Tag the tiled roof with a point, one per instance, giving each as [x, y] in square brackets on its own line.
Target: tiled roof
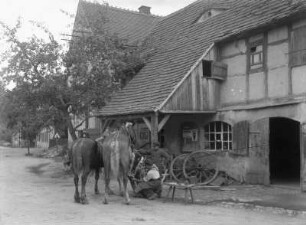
[130, 25]
[179, 42]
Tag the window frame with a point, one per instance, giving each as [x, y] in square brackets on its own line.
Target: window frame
[257, 66]
[213, 136]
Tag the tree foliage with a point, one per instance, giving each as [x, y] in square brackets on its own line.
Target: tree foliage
[52, 84]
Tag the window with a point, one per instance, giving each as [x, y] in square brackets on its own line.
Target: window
[190, 137]
[206, 64]
[218, 136]
[210, 13]
[256, 56]
[144, 134]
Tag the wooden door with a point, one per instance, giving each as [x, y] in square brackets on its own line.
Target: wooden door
[258, 166]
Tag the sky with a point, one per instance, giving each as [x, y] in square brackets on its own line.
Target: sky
[48, 12]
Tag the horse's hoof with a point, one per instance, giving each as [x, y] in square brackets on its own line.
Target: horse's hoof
[77, 199]
[105, 202]
[128, 202]
[97, 192]
[84, 201]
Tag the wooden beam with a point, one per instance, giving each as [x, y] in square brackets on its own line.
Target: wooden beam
[163, 122]
[126, 116]
[188, 112]
[104, 126]
[154, 129]
[147, 122]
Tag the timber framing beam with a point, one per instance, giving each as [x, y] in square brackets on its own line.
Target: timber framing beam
[163, 122]
[147, 122]
[159, 126]
[154, 129]
[105, 125]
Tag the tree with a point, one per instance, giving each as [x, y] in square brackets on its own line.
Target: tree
[52, 84]
[5, 134]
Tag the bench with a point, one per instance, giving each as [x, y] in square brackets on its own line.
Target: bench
[183, 186]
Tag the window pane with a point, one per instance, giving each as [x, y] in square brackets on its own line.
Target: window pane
[225, 146]
[211, 137]
[218, 126]
[256, 58]
[211, 127]
[225, 137]
[212, 145]
[219, 145]
[218, 137]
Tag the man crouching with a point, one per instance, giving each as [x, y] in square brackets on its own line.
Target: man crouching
[150, 187]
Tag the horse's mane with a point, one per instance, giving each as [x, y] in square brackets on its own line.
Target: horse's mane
[126, 131]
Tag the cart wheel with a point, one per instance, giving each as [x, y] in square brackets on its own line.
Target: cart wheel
[176, 168]
[201, 166]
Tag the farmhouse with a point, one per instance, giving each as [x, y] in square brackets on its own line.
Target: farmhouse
[227, 76]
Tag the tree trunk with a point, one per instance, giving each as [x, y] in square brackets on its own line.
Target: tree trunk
[28, 145]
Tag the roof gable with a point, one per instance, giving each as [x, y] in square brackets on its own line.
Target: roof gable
[130, 25]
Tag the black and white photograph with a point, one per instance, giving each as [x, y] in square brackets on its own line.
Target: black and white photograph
[152, 112]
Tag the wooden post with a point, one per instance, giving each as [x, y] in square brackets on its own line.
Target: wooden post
[154, 128]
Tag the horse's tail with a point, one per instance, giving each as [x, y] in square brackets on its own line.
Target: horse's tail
[98, 153]
[115, 159]
[76, 159]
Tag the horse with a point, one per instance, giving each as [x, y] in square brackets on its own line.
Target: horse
[85, 157]
[118, 158]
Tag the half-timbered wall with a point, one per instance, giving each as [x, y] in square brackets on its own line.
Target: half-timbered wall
[283, 73]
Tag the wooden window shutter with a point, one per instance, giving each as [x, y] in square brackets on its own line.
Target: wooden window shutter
[219, 70]
[213, 69]
[298, 47]
[240, 138]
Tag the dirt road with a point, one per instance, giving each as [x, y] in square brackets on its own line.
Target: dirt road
[38, 191]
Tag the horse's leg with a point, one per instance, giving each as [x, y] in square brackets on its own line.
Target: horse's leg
[76, 193]
[97, 179]
[120, 187]
[126, 194]
[107, 189]
[83, 191]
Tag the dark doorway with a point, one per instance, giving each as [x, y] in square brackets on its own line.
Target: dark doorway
[284, 150]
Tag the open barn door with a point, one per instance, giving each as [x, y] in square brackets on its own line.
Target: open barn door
[303, 157]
